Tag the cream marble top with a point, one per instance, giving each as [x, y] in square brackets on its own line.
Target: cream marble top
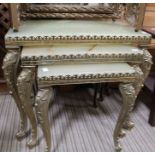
[80, 49]
[83, 53]
[42, 31]
[78, 69]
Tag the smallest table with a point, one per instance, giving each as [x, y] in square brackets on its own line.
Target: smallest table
[130, 78]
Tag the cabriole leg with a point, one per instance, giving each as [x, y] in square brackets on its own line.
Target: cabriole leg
[138, 84]
[10, 65]
[43, 99]
[25, 89]
[128, 94]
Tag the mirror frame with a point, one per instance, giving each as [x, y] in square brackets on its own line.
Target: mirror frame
[74, 11]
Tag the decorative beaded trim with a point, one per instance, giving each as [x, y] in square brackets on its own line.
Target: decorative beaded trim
[86, 76]
[27, 60]
[74, 37]
[81, 56]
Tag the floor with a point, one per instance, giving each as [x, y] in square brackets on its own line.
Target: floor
[77, 126]
[3, 87]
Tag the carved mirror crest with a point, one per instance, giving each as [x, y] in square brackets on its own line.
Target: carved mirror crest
[70, 11]
[77, 11]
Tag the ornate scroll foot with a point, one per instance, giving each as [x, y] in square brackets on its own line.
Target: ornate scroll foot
[128, 125]
[25, 89]
[10, 65]
[23, 124]
[122, 134]
[128, 94]
[20, 134]
[118, 147]
[43, 99]
[31, 143]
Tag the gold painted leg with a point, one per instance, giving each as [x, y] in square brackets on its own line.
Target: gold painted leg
[138, 84]
[25, 89]
[128, 94]
[43, 99]
[10, 65]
